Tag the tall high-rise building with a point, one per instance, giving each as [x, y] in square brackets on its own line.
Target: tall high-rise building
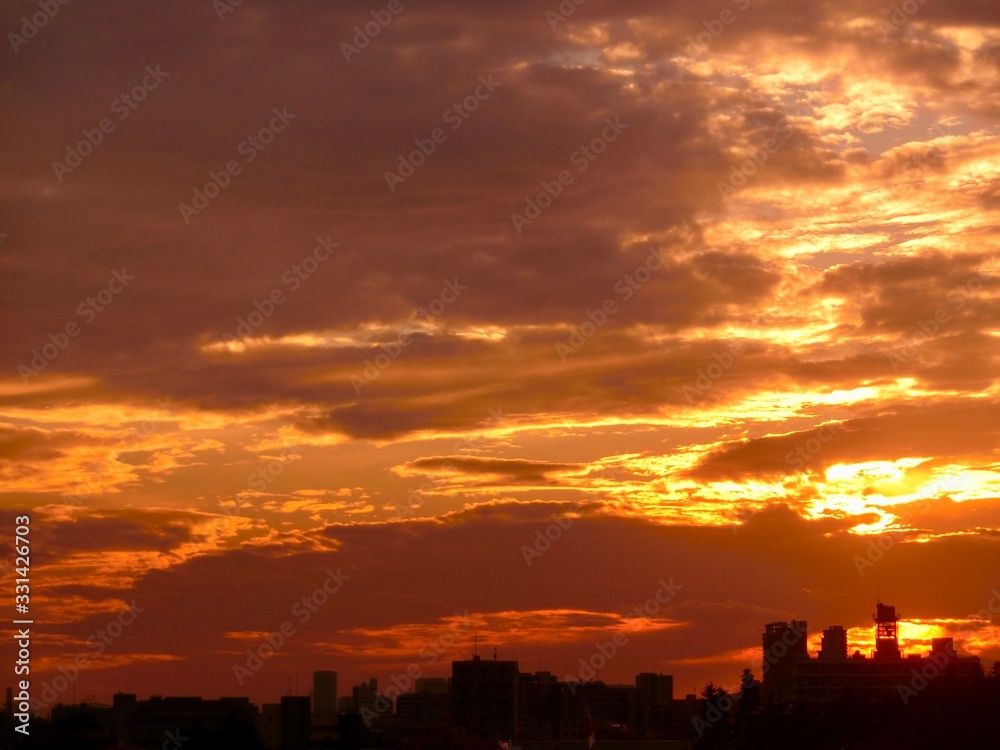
[834, 644]
[784, 645]
[428, 708]
[655, 689]
[294, 722]
[364, 695]
[484, 696]
[324, 697]
[656, 700]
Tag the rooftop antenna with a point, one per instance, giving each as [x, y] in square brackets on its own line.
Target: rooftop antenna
[494, 653]
[475, 644]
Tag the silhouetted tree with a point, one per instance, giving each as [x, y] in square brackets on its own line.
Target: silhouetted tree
[711, 691]
[711, 725]
[749, 691]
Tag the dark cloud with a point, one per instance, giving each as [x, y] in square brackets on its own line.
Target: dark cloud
[776, 566]
[945, 429]
[39, 445]
[114, 531]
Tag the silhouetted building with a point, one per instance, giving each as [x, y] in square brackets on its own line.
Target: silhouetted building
[427, 711]
[7, 723]
[534, 697]
[655, 689]
[613, 708]
[681, 717]
[433, 685]
[834, 644]
[784, 646]
[147, 723]
[484, 696]
[89, 719]
[324, 698]
[791, 676]
[555, 711]
[562, 715]
[294, 722]
[656, 698]
[81, 727]
[363, 696]
[269, 725]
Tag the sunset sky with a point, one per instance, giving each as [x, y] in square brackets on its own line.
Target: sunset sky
[705, 290]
